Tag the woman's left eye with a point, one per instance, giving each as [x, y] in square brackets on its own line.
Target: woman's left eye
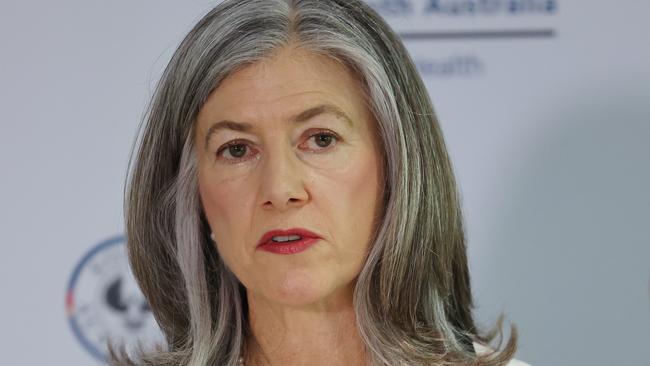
[323, 140]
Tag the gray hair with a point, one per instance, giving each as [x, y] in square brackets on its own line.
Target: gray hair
[412, 298]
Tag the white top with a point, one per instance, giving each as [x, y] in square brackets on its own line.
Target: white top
[481, 349]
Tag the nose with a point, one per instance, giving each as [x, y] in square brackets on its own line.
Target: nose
[282, 181]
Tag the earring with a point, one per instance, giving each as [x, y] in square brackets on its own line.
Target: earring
[212, 237]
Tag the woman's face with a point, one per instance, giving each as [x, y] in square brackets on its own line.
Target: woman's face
[296, 150]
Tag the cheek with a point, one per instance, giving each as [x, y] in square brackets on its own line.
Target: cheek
[214, 202]
[354, 194]
[224, 205]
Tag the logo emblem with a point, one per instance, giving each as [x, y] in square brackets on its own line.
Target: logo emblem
[104, 302]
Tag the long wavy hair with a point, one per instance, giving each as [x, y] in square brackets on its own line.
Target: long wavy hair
[412, 298]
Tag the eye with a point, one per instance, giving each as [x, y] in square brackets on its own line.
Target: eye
[323, 139]
[236, 149]
[239, 149]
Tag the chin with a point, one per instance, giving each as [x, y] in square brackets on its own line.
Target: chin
[301, 289]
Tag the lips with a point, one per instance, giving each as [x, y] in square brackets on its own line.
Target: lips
[303, 233]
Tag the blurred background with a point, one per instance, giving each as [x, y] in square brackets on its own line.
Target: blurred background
[545, 106]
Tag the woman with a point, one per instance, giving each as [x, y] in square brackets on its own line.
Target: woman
[292, 201]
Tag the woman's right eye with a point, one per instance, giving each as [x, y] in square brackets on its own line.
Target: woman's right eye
[236, 149]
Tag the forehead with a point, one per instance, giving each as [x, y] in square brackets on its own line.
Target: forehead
[283, 85]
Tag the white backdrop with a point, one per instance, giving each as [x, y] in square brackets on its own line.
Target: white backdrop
[545, 106]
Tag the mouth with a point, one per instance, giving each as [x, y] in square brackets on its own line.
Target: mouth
[289, 241]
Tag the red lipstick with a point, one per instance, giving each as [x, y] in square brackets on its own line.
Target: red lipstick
[307, 239]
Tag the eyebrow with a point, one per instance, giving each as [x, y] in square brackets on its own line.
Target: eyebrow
[298, 118]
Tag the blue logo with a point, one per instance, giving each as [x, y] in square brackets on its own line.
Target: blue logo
[103, 302]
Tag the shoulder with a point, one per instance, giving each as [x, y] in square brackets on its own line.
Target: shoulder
[480, 349]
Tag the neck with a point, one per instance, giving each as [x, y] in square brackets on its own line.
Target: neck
[323, 333]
